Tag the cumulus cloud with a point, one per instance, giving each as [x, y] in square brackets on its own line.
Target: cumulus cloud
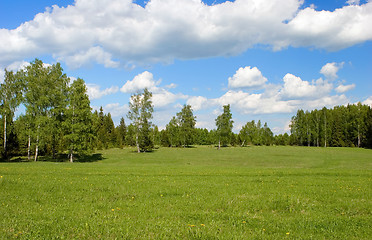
[295, 88]
[140, 82]
[344, 88]
[197, 102]
[116, 109]
[368, 101]
[120, 32]
[94, 91]
[160, 96]
[247, 78]
[353, 2]
[330, 70]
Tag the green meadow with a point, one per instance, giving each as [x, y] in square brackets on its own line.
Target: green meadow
[191, 193]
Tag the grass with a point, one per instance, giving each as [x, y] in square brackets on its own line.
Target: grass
[193, 193]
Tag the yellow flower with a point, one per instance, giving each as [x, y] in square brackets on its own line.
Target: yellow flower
[112, 209]
[203, 225]
[287, 233]
[244, 222]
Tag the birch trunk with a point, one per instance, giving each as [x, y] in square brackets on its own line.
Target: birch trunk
[219, 143]
[37, 148]
[29, 147]
[137, 144]
[71, 156]
[37, 144]
[5, 133]
[358, 137]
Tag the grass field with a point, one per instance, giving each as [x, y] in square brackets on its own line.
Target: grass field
[193, 193]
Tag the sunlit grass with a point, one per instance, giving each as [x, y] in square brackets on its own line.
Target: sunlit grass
[193, 193]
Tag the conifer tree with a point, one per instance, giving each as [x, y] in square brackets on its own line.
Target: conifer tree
[187, 121]
[224, 125]
[79, 120]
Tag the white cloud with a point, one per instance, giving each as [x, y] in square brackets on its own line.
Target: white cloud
[164, 30]
[368, 101]
[344, 88]
[160, 96]
[353, 2]
[342, 28]
[94, 91]
[2, 75]
[254, 103]
[326, 101]
[330, 70]
[295, 88]
[95, 53]
[116, 110]
[247, 78]
[197, 103]
[139, 82]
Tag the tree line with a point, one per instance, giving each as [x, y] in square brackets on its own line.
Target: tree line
[58, 121]
[342, 126]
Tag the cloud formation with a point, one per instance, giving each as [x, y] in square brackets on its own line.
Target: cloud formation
[94, 91]
[293, 93]
[330, 70]
[120, 33]
[161, 97]
[247, 78]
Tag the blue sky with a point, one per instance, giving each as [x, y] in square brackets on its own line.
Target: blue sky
[266, 59]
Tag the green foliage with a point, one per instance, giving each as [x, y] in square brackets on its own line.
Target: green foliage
[224, 125]
[140, 113]
[187, 193]
[78, 124]
[254, 134]
[342, 126]
[186, 122]
[10, 99]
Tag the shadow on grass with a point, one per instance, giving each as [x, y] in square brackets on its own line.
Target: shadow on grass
[59, 158]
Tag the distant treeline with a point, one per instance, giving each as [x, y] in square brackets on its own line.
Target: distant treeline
[342, 126]
[58, 121]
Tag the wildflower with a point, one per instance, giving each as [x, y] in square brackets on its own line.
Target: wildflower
[264, 229]
[287, 233]
[203, 225]
[244, 222]
[112, 209]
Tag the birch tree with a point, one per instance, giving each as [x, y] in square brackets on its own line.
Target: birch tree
[11, 97]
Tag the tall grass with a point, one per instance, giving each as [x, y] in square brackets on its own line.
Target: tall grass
[192, 193]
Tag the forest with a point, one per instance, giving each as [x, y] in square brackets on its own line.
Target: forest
[58, 122]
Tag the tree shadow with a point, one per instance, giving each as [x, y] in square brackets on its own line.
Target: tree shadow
[58, 158]
[89, 158]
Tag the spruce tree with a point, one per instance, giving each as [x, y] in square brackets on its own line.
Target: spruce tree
[79, 120]
[224, 125]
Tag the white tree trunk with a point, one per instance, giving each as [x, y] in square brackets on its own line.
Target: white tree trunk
[5, 133]
[137, 144]
[37, 148]
[29, 147]
[219, 143]
[71, 156]
[358, 137]
[37, 144]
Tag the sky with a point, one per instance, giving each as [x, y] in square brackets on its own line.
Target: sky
[267, 59]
